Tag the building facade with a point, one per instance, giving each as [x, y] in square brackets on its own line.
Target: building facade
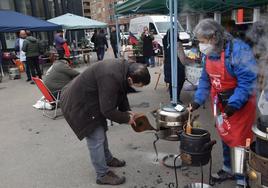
[86, 8]
[104, 10]
[44, 9]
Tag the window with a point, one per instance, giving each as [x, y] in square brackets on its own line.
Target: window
[152, 28]
[24, 6]
[10, 40]
[40, 11]
[164, 26]
[51, 8]
[244, 15]
[7, 4]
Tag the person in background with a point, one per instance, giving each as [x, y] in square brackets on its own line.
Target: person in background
[59, 42]
[1, 61]
[231, 28]
[32, 51]
[167, 68]
[93, 40]
[229, 77]
[113, 40]
[148, 52]
[58, 75]
[22, 56]
[101, 43]
[97, 94]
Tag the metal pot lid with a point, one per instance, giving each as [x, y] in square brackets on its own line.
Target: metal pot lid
[259, 133]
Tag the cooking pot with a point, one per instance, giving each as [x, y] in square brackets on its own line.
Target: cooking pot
[257, 169]
[261, 132]
[170, 122]
[196, 147]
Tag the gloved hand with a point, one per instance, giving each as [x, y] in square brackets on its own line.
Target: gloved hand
[194, 106]
[229, 110]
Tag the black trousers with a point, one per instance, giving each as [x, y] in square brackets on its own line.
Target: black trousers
[61, 52]
[115, 50]
[34, 66]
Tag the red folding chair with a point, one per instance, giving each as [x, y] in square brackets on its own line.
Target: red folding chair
[49, 98]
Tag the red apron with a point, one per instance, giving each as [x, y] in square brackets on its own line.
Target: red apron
[237, 128]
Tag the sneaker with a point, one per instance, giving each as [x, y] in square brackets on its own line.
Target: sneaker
[32, 82]
[110, 178]
[221, 176]
[28, 80]
[116, 163]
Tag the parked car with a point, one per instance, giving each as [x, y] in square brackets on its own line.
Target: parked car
[158, 25]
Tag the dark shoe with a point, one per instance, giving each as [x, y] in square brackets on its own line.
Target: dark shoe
[111, 179]
[221, 176]
[28, 80]
[32, 82]
[116, 163]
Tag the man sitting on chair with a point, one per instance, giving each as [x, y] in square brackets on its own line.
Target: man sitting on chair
[58, 75]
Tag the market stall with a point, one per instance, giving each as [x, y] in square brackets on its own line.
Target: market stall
[73, 22]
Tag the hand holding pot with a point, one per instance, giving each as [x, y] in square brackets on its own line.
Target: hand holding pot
[132, 118]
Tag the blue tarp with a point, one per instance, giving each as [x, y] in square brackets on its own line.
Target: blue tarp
[13, 21]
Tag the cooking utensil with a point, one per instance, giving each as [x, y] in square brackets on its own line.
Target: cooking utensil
[189, 126]
[142, 123]
[239, 155]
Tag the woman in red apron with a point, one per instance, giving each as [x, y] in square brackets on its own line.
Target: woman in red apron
[229, 78]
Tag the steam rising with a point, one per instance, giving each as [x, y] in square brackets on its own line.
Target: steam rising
[257, 36]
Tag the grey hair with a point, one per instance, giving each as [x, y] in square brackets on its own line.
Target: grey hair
[208, 29]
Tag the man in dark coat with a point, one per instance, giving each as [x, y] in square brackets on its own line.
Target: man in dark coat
[97, 94]
[113, 40]
[101, 43]
[31, 47]
[93, 40]
[167, 68]
[148, 53]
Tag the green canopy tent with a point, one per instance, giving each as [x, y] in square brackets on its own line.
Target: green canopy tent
[175, 6]
[160, 6]
[74, 22]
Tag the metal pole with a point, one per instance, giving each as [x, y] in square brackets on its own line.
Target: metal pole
[76, 40]
[175, 53]
[171, 47]
[117, 34]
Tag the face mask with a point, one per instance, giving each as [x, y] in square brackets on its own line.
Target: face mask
[205, 48]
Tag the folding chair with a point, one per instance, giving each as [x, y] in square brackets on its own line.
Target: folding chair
[49, 98]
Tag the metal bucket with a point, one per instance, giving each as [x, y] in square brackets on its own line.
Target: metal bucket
[14, 73]
[239, 156]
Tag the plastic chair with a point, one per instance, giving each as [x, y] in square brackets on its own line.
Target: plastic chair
[49, 98]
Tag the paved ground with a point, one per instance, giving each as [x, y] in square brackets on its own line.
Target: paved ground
[36, 152]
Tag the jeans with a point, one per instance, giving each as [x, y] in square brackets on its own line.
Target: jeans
[27, 70]
[99, 150]
[34, 66]
[100, 52]
[227, 164]
[149, 60]
[115, 50]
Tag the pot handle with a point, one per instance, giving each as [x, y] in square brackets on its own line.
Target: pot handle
[209, 145]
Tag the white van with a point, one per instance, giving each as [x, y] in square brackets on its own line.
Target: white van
[157, 24]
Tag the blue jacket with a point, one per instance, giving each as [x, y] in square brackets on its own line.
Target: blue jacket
[241, 65]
